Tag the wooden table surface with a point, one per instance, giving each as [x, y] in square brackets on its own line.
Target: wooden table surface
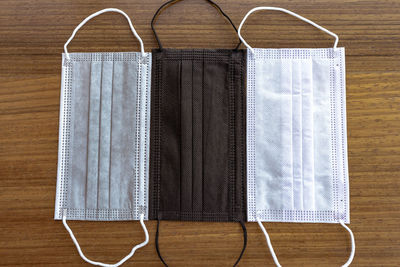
[32, 35]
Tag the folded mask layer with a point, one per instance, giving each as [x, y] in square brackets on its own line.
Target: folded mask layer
[104, 136]
[198, 135]
[296, 135]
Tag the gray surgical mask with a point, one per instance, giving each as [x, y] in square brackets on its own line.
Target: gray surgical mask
[104, 137]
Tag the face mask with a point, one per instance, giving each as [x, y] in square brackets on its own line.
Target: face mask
[198, 134]
[104, 137]
[296, 135]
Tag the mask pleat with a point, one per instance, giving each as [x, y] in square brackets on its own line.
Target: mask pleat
[93, 136]
[308, 133]
[197, 121]
[186, 135]
[274, 135]
[79, 154]
[170, 154]
[123, 136]
[121, 147]
[297, 136]
[103, 197]
[322, 135]
[286, 118]
[216, 137]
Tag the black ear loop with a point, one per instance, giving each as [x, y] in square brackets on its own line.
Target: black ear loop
[157, 247]
[244, 242]
[237, 261]
[172, 2]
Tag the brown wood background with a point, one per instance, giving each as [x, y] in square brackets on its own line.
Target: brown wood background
[32, 35]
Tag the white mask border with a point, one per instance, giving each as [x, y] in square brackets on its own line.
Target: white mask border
[258, 219]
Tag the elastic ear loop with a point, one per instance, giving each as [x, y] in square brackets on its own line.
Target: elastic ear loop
[237, 261]
[96, 14]
[172, 2]
[157, 246]
[271, 249]
[290, 13]
[64, 220]
[353, 244]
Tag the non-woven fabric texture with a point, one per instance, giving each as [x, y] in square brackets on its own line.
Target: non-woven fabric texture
[197, 164]
[103, 150]
[104, 136]
[296, 135]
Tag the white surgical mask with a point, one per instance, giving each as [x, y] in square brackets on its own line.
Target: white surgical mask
[296, 135]
[104, 137]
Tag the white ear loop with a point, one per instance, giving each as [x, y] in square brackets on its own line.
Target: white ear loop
[353, 244]
[64, 220]
[98, 13]
[290, 13]
[271, 249]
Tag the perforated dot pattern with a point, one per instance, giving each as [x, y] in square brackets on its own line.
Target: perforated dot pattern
[338, 160]
[141, 136]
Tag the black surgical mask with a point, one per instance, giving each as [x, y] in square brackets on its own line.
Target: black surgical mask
[197, 142]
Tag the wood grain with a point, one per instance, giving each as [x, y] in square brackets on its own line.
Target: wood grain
[32, 34]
